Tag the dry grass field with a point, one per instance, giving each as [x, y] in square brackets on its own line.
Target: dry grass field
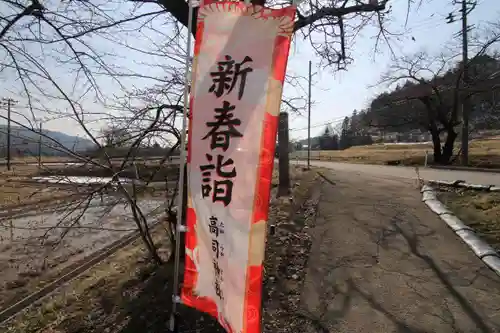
[15, 188]
[34, 159]
[479, 210]
[484, 153]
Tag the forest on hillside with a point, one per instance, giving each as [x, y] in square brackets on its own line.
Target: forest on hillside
[422, 105]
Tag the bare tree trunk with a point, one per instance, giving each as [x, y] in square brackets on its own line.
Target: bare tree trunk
[447, 154]
[144, 232]
[436, 145]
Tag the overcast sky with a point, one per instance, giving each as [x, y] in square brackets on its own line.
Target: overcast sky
[335, 95]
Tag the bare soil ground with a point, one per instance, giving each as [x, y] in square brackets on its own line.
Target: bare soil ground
[127, 294]
[34, 217]
[483, 154]
[36, 247]
[479, 210]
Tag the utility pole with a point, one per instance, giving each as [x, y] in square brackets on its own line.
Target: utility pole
[466, 105]
[8, 102]
[309, 118]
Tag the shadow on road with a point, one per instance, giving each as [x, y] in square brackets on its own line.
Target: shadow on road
[382, 263]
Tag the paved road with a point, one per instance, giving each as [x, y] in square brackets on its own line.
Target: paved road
[382, 262]
[472, 177]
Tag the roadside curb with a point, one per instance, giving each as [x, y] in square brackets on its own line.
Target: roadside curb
[481, 249]
[463, 184]
[459, 168]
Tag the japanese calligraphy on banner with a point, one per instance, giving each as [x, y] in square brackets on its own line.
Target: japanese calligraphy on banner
[239, 66]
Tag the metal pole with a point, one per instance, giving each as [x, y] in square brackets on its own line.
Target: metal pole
[8, 133]
[309, 119]
[466, 101]
[180, 213]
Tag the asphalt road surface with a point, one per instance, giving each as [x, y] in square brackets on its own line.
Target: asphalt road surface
[382, 262]
[472, 177]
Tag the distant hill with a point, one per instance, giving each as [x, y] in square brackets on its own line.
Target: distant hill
[25, 142]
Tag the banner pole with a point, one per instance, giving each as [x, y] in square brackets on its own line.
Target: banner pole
[180, 213]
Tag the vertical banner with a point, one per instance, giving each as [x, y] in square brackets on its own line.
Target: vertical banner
[240, 60]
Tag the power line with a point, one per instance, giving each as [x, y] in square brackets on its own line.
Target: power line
[329, 122]
[430, 23]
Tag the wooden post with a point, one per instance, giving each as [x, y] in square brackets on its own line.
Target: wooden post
[11, 230]
[9, 101]
[40, 148]
[284, 158]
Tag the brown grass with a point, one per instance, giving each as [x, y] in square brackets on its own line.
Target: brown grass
[479, 210]
[14, 193]
[483, 153]
[33, 159]
[149, 170]
[16, 187]
[15, 190]
[61, 159]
